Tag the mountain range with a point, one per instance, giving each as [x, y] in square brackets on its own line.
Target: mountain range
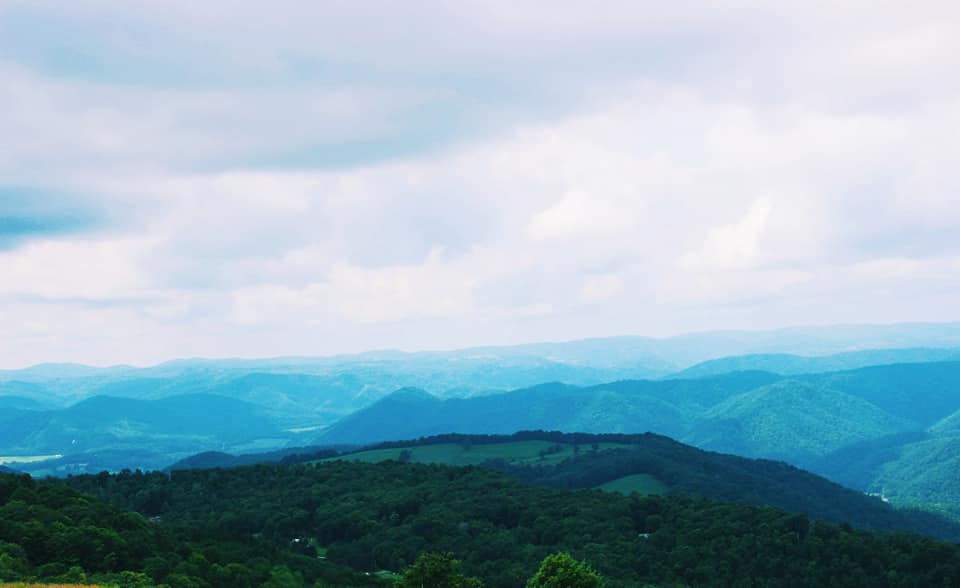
[872, 407]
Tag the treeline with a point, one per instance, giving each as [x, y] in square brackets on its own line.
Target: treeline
[586, 439]
[373, 517]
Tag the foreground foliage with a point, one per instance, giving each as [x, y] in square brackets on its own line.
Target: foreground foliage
[562, 571]
[374, 517]
[437, 570]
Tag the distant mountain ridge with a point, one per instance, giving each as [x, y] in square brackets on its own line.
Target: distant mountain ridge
[763, 394]
[621, 407]
[787, 364]
[680, 408]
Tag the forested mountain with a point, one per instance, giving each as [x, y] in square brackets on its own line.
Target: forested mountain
[375, 517]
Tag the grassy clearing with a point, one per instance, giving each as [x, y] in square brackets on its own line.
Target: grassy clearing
[460, 454]
[642, 483]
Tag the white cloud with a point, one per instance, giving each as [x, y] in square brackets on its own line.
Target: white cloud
[601, 288]
[578, 216]
[734, 246]
[633, 172]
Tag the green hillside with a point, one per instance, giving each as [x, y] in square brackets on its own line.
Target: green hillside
[792, 420]
[925, 474]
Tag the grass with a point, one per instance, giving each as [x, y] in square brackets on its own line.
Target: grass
[458, 454]
[642, 483]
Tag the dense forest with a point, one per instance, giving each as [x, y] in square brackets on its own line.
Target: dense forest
[376, 517]
[51, 533]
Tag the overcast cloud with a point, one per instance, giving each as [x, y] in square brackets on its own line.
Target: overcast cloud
[249, 179]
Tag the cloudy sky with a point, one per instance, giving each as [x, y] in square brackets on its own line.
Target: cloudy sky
[183, 178]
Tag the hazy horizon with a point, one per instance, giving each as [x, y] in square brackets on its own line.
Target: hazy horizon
[494, 345]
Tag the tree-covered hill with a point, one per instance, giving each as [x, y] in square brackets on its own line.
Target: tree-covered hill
[382, 516]
[580, 461]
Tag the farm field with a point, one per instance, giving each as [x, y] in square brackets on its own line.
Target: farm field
[462, 454]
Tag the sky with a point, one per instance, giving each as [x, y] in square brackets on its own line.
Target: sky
[250, 179]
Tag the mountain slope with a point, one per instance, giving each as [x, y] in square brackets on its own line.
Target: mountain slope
[922, 392]
[791, 420]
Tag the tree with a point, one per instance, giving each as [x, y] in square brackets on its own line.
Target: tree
[436, 570]
[560, 570]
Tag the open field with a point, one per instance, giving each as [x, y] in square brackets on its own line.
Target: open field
[642, 483]
[461, 454]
